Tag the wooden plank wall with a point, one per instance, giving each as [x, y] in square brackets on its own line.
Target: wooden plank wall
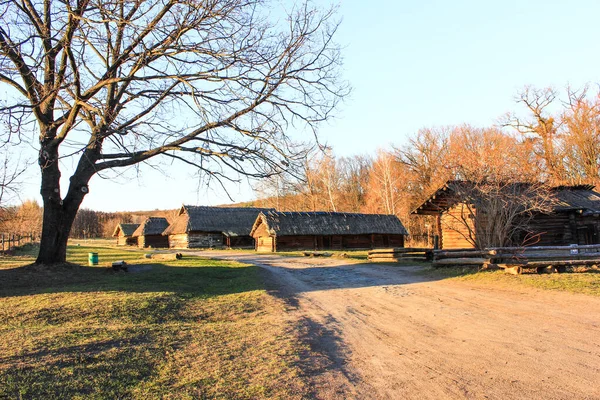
[454, 230]
[265, 243]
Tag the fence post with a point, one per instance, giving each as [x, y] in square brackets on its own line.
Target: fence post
[3, 243]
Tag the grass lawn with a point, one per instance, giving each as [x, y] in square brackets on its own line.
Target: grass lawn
[576, 282]
[191, 328]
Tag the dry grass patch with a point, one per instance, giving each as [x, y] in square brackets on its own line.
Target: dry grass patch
[191, 328]
[575, 282]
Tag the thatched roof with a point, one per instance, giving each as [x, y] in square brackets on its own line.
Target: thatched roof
[328, 223]
[581, 198]
[230, 221]
[126, 229]
[151, 226]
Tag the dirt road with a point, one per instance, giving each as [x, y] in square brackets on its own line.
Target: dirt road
[391, 333]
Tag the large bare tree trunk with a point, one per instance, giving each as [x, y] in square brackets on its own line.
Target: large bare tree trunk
[59, 213]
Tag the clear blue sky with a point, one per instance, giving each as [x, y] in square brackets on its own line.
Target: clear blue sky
[411, 65]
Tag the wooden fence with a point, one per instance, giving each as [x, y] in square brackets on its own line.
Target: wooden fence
[11, 240]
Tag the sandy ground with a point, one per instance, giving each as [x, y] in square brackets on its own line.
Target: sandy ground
[390, 333]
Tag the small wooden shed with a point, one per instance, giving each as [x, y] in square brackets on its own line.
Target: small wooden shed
[149, 233]
[280, 231]
[204, 227]
[124, 234]
[574, 219]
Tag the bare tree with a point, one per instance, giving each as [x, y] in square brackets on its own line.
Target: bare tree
[541, 128]
[12, 171]
[215, 84]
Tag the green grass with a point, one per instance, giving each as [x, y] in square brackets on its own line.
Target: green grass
[576, 282]
[192, 328]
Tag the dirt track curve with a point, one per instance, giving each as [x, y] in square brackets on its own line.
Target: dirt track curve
[391, 333]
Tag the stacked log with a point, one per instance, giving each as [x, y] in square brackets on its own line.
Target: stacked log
[399, 254]
[468, 257]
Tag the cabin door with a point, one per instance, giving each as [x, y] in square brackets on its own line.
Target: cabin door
[590, 234]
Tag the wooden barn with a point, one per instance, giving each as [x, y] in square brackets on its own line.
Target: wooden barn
[124, 234]
[280, 231]
[573, 218]
[150, 233]
[204, 227]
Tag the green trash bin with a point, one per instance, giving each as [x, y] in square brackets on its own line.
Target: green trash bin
[92, 259]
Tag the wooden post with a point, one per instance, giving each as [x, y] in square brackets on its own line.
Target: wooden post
[438, 228]
[3, 243]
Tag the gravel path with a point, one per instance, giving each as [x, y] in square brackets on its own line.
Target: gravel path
[390, 333]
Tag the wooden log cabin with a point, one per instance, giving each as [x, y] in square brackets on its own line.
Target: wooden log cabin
[281, 231]
[124, 234]
[150, 233]
[205, 227]
[574, 218]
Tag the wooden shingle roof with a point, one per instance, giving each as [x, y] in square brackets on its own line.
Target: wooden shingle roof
[151, 226]
[329, 223]
[230, 221]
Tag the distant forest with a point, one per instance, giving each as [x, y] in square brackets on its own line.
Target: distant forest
[554, 138]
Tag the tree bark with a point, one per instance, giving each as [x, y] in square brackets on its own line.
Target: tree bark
[59, 214]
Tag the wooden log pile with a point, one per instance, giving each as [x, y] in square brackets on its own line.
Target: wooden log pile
[517, 260]
[399, 254]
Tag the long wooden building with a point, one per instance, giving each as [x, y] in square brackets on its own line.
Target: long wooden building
[280, 231]
[205, 227]
[150, 233]
[124, 234]
[574, 218]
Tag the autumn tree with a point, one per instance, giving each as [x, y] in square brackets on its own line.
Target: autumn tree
[108, 78]
[22, 219]
[385, 180]
[354, 180]
[425, 157]
[581, 137]
[489, 154]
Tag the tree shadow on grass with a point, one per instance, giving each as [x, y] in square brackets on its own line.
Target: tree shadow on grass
[154, 277]
[110, 368]
[114, 341]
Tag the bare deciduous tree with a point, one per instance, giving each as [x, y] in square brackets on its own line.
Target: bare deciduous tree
[541, 128]
[215, 84]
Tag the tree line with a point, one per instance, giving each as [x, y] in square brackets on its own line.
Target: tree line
[550, 139]
[26, 219]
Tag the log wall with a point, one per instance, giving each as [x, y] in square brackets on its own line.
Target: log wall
[334, 242]
[195, 240]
